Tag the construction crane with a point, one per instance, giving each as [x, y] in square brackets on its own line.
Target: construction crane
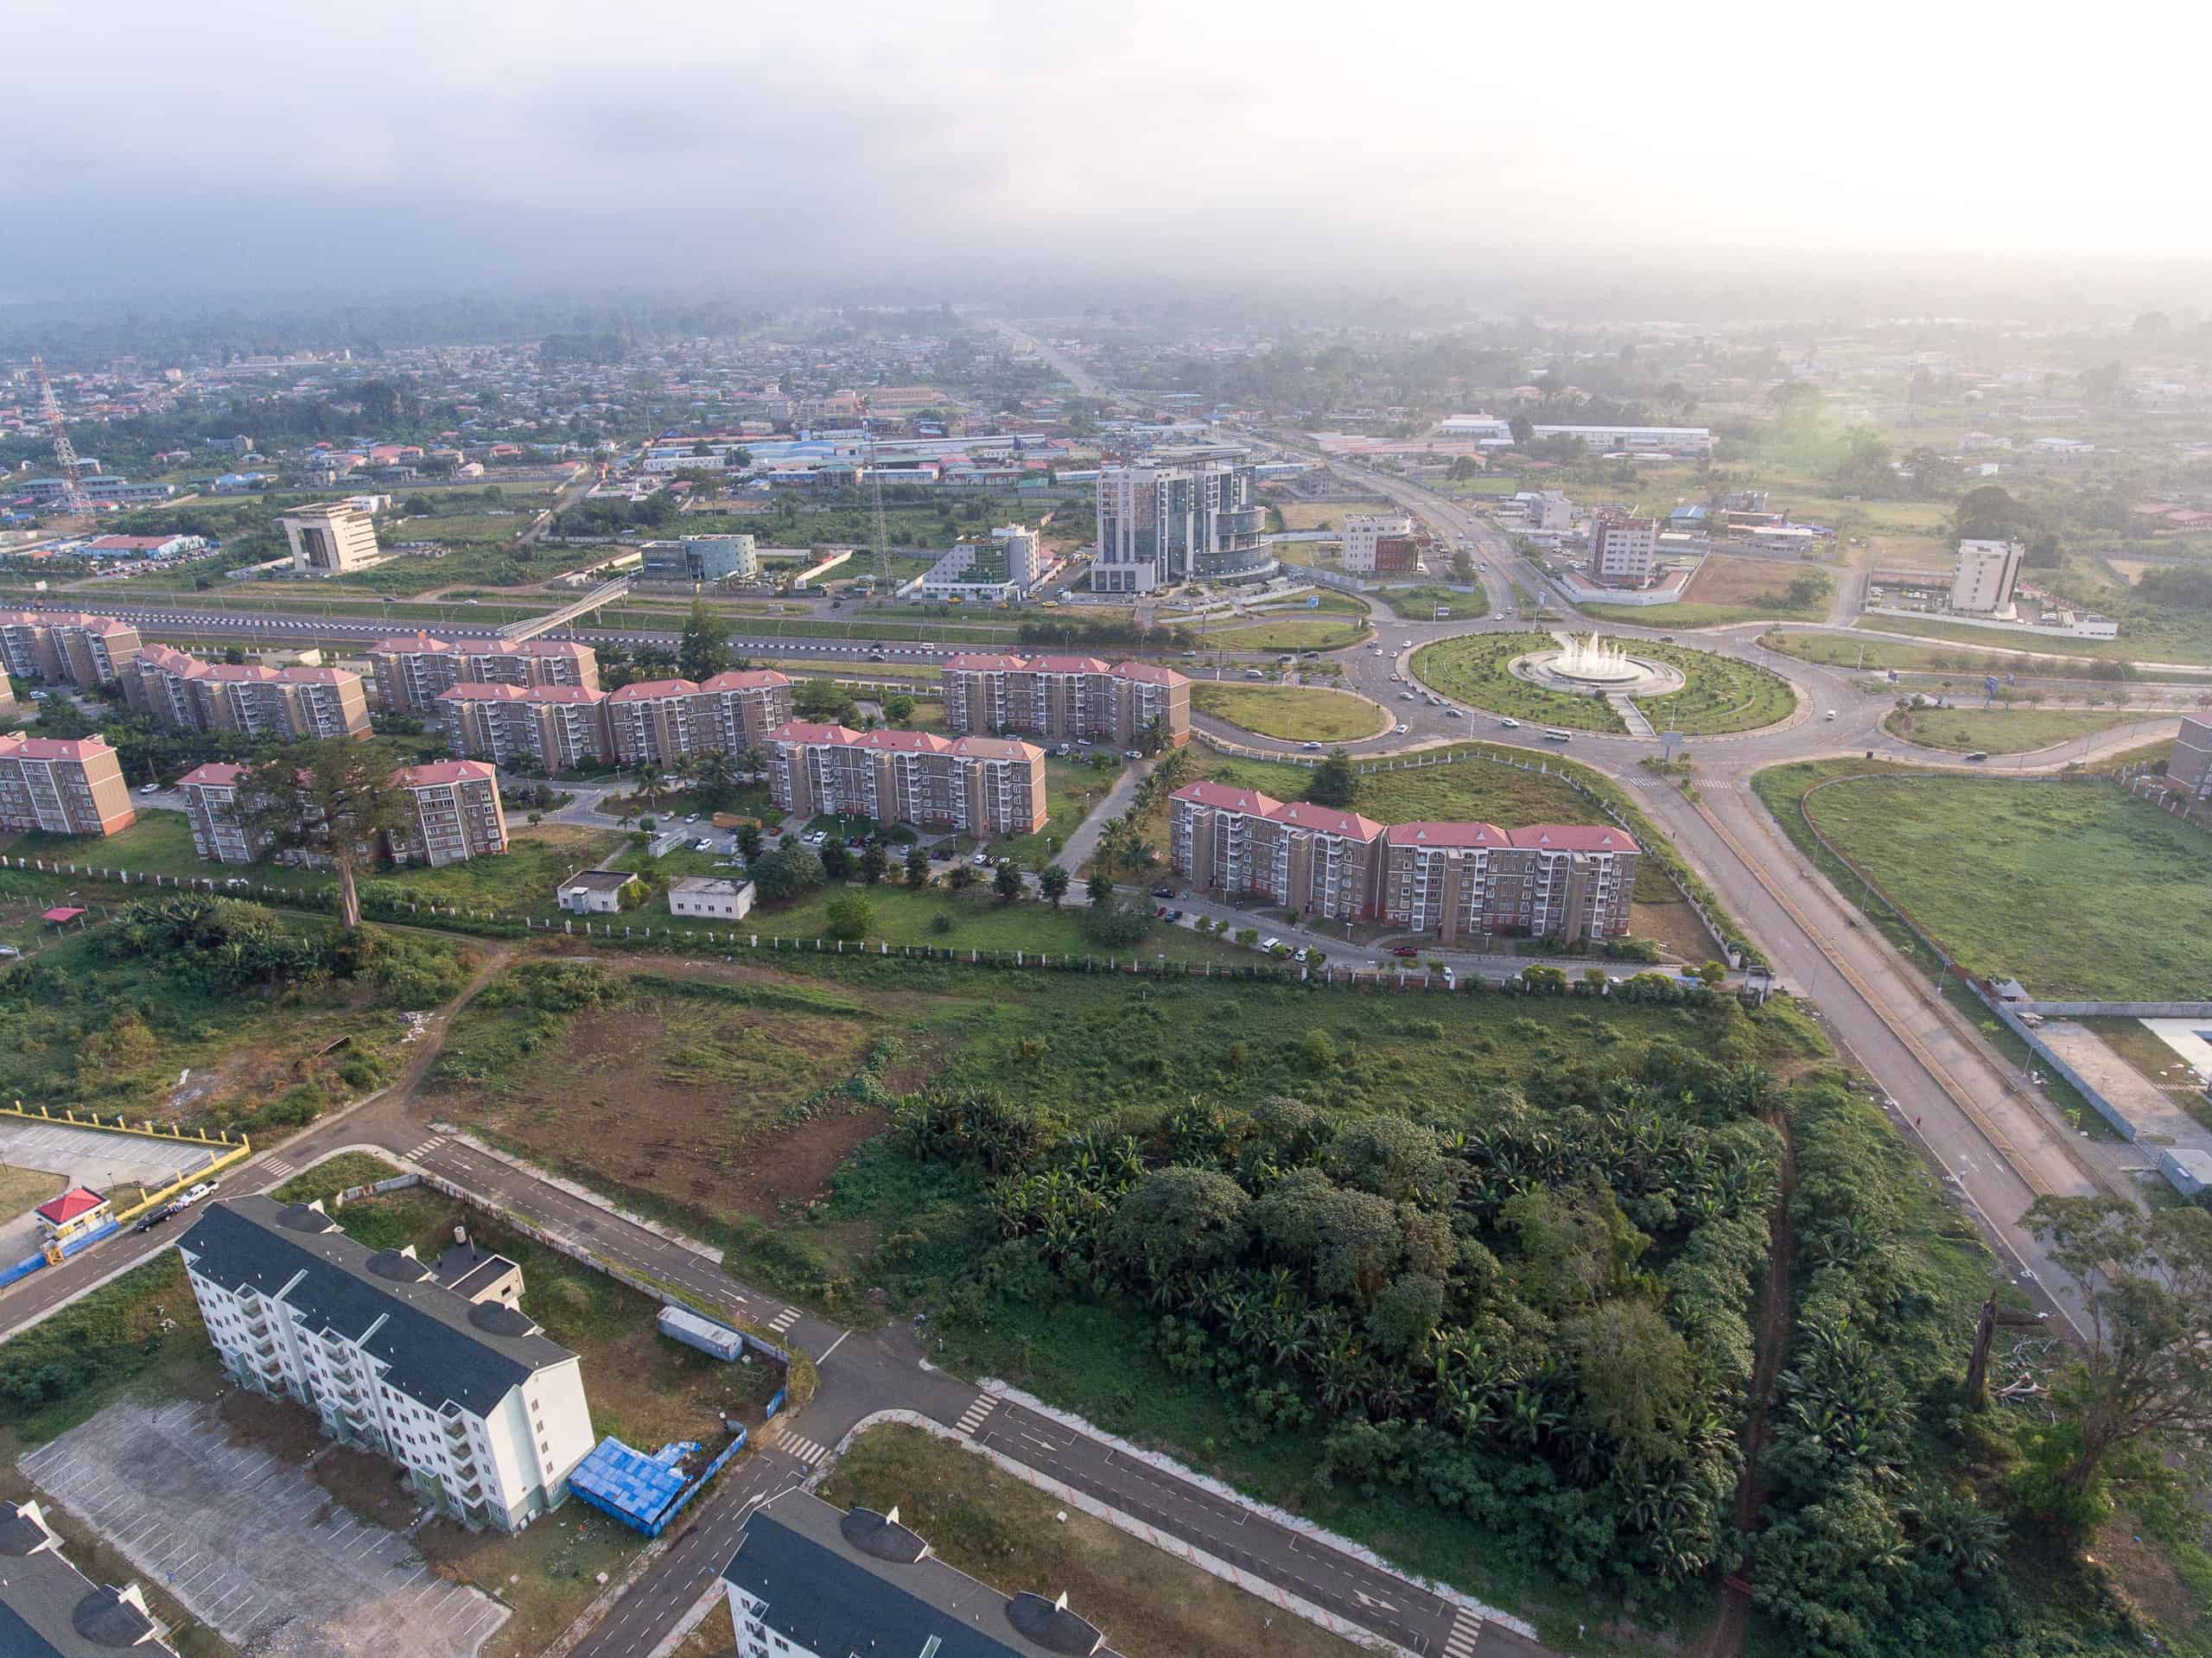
[75, 501]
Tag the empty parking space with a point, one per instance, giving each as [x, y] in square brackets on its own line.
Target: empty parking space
[85, 1156]
[251, 1544]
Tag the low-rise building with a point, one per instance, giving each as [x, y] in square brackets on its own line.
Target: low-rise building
[48, 1608]
[708, 899]
[808, 1581]
[700, 558]
[266, 704]
[75, 1212]
[2189, 768]
[1647, 440]
[58, 646]
[458, 1387]
[414, 670]
[63, 786]
[331, 539]
[992, 786]
[1455, 881]
[595, 891]
[1064, 699]
[557, 728]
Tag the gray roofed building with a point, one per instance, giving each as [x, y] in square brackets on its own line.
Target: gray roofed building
[48, 1608]
[809, 1580]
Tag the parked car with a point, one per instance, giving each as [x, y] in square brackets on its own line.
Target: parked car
[1131, 755]
[150, 788]
[1510, 725]
[1400, 729]
[166, 1212]
[1163, 891]
[1404, 952]
[1269, 944]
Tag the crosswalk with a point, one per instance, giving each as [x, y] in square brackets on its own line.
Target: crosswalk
[277, 1169]
[1467, 1629]
[415, 1154]
[792, 1443]
[972, 1418]
[784, 1320]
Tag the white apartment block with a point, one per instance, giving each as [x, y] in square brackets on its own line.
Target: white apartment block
[1621, 550]
[1363, 530]
[441, 1372]
[1987, 572]
[330, 540]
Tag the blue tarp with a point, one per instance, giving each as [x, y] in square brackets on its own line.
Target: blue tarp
[644, 1493]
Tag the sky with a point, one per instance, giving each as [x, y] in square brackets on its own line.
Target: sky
[158, 148]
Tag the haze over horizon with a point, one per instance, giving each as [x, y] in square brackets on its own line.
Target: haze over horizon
[984, 147]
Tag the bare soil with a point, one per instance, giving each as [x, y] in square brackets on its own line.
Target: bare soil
[1722, 580]
[1675, 928]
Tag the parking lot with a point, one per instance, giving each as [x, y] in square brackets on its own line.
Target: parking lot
[85, 1156]
[251, 1544]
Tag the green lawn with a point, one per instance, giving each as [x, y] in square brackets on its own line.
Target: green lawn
[1691, 615]
[1421, 603]
[2069, 887]
[2189, 641]
[159, 843]
[903, 916]
[1720, 695]
[2004, 731]
[1294, 713]
[1072, 787]
[1286, 633]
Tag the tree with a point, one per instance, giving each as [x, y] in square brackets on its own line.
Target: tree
[336, 800]
[1523, 429]
[703, 651]
[1714, 972]
[787, 873]
[650, 777]
[899, 709]
[1006, 880]
[1463, 468]
[1053, 880]
[1990, 513]
[1634, 1371]
[715, 774]
[1179, 1220]
[824, 700]
[748, 843]
[1334, 783]
[960, 877]
[850, 917]
[1099, 889]
[836, 859]
[875, 862]
[2142, 1379]
[917, 865]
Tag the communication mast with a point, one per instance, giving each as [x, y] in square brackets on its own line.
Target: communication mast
[73, 499]
[882, 535]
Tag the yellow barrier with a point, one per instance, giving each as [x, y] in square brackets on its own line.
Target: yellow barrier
[236, 1155]
[70, 1119]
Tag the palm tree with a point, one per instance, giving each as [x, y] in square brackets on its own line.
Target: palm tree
[716, 775]
[650, 777]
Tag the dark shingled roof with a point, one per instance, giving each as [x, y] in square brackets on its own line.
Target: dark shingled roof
[420, 1330]
[48, 1608]
[830, 1593]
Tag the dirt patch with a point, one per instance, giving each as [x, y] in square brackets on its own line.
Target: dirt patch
[1675, 928]
[2144, 1574]
[366, 1486]
[1722, 580]
[794, 1165]
[649, 1391]
[287, 1431]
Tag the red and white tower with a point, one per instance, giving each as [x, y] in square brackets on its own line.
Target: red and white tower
[73, 499]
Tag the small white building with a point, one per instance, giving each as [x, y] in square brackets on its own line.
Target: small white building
[595, 891]
[1363, 530]
[710, 900]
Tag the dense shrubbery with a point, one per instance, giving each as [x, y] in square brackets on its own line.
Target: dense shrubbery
[1530, 1311]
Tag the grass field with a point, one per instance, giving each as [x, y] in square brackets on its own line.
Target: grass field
[998, 1529]
[2071, 887]
[1286, 632]
[24, 1188]
[1720, 695]
[2183, 643]
[1294, 713]
[1421, 603]
[2004, 731]
[1072, 789]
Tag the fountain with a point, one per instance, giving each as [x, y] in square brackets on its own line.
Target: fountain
[1597, 661]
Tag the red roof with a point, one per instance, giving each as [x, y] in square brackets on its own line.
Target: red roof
[1147, 673]
[58, 914]
[806, 731]
[1221, 797]
[216, 774]
[16, 745]
[646, 689]
[78, 1200]
[997, 748]
[984, 663]
[1448, 834]
[1326, 820]
[1066, 666]
[745, 679]
[483, 690]
[439, 772]
[1574, 837]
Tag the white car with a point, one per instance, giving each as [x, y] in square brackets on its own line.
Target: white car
[815, 837]
[1510, 725]
[155, 788]
[1402, 727]
[185, 1200]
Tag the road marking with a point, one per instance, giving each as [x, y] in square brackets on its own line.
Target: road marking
[1467, 1629]
[796, 1444]
[784, 1320]
[425, 1148]
[972, 1418]
[276, 1168]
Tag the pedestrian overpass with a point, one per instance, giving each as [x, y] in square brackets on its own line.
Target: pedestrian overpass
[536, 626]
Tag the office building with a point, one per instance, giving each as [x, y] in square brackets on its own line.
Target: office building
[1002, 569]
[808, 1581]
[1986, 574]
[555, 728]
[454, 814]
[984, 785]
[1622, 549]
[1063, 699]
[1161, 526]
[265, 704]
[664, 719]
[440, 1370]
[331, 539]
[48, 1608]
[413, 671]
[63, 787]
[699, 558]
[60, 646]
[1363, 531]
[2189, 768]
[1549, 511]
[1456, 882]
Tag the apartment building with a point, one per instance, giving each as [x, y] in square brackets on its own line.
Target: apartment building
[436, 1368]
[981, 786]
[1160, 526]
[1457, 882]
[810, 1580]
[266, 704]
[330, 539]
[455, 814]
[1986, 574]
[556, 727]
[1063, 699]
[2190, 768]
[1622, 549]
[63, 787]
[58, 646]
[664, 719]
[1363, 531]
[412, 672]
[48, 1608]
[9, 708]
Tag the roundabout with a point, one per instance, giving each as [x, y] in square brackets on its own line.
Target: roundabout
[1597, 664]
[1599, 684]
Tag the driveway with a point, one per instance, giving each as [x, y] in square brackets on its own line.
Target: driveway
[250, 1544]
[85, 1156]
